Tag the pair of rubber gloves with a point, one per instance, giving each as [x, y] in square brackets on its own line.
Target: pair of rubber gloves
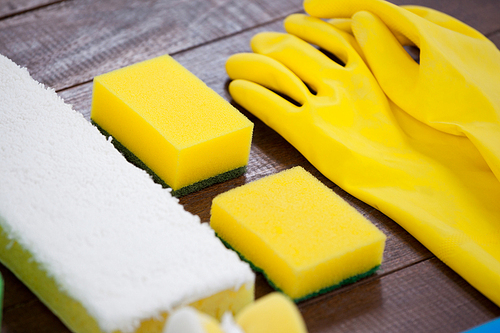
[418, 141]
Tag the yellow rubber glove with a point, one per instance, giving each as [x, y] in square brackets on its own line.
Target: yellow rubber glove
[429, 14]
[436, 185]
[432, 15]
[455, 88]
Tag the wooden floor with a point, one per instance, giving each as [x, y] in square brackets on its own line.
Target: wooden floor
[64, 44]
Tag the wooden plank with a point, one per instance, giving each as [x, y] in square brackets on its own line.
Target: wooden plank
[427, 297]
[16, 7]
[495, 38]
[32, 317]
[15, 293]
[71, 42]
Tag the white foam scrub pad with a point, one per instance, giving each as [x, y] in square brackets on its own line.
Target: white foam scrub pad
[102, 245]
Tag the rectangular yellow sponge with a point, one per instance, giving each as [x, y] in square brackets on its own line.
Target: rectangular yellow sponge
[299, 233]
[168, 118]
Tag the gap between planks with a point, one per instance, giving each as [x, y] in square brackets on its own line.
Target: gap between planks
[30, 9]
[215, 40]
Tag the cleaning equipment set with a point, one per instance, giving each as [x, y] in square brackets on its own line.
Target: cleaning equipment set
[423, 172]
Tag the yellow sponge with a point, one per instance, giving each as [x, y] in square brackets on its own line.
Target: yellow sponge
[177, 126]
[298, 232]
[273, 313]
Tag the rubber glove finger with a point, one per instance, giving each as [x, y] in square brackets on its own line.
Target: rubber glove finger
[401, 22]
[318, 32]
[445, 21]
[371, 32]
[441, 19]
[429, 14]
[308, 63]
[406, 24]
[268, 73]
[266, 105]
[343, 24]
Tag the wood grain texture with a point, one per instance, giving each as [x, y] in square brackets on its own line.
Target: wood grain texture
[16, 7]
[71, 42]
[426, 297]
[66, 44]
[495, 38]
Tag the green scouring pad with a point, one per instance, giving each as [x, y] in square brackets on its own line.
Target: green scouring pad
[129, 156]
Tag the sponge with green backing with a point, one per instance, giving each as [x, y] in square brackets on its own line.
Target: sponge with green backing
[172, 124]
[299, 233]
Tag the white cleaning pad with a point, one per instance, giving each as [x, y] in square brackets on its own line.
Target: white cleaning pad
[111, 238]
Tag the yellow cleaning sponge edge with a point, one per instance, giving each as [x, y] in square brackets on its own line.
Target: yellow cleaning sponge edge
[273, 313]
